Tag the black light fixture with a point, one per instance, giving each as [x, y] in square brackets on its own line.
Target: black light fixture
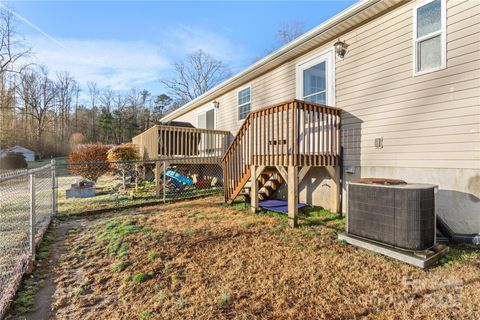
[341, 49]
[216, 104]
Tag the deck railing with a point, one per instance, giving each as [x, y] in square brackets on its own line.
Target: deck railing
[294, 133]
[163, 141]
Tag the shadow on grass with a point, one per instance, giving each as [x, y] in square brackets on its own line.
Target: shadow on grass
[309, 216]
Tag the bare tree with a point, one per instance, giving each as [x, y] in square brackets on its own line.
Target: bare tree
[12, 46]
[66, 90]
[195, 75]
[289, 31]
[12, 49]
[94, 93]
[37, 93]
[107, 98]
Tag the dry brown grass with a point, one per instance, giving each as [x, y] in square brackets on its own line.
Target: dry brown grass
[202, 260]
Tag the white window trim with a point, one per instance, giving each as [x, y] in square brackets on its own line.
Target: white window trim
[443, 38]
[239, 105]
[204, 110]
[329, 57]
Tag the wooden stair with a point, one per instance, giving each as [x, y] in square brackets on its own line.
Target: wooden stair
[268, 183]
[294, 133]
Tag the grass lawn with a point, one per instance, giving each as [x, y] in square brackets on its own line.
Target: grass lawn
[200, 259]
[38, 164]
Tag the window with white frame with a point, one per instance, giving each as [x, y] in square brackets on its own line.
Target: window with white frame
[429, 36]
[244, 103]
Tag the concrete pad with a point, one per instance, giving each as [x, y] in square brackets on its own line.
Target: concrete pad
[422, 259]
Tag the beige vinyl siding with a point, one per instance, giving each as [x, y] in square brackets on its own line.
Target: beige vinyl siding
[432, 120]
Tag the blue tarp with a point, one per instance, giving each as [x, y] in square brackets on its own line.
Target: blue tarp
[278, 205]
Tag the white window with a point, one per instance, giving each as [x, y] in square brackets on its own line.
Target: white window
[429, 36]
[206, 119]
[244, 99]
[315, 82]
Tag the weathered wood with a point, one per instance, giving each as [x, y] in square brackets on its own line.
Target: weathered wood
[303, 172]
[254, 189]
[292, 196]
[334, 173]
[283, 173]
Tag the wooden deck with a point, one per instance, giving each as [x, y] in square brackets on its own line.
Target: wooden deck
[290, 137]
[182, 144]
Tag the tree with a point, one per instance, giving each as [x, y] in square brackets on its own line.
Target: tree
[195, 75]
[94, 93]
[12, 49]
[161, 103]
[37, 92]
[105, 121]
[289, 31]
[66, 92]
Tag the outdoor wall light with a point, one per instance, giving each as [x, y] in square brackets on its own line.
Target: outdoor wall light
[216, 104]
[341, 48]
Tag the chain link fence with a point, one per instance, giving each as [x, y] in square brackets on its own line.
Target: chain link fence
[99, 186]
[29, 198]
[27, 202]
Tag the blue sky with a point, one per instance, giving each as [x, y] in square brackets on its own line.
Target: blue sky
[124, 44]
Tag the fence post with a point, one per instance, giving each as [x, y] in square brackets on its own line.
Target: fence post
[164, 181]
[54, 195]
[32, 216]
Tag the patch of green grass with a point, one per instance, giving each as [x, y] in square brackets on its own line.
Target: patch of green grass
[152, 255]
[181, 302]
[188, 233]
[248, 225]
[144, 315]
[120, 266]
[139, 278]
[224, 300]
[78, 291]
[25, 298]
[458, 254]
[74, 230]
[127, 278]
[312, 216]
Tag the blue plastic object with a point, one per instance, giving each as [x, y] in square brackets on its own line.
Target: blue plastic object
[178, 179]
[278, 205]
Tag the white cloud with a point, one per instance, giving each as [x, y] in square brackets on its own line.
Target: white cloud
[117, 64]
[122, 65]
[187, 39]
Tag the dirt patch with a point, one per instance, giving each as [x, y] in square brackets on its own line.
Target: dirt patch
[202, 260]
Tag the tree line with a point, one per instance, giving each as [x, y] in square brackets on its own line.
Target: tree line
[49, 113]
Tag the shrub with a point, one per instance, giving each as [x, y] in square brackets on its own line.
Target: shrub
[123, 152]
[89, 153]
[13, 160]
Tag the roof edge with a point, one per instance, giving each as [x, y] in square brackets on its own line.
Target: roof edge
[345, 14]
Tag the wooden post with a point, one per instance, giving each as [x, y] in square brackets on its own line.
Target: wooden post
[158, 169]
[293, 196]
[54, 195]
[164, 182]
[334, 173]
[32, 216]
[254, 189]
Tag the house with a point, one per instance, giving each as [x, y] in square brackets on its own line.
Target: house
[387, 88]
[27, 153]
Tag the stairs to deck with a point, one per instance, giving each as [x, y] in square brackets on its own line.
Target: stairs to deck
[294, 133]
[269, 182]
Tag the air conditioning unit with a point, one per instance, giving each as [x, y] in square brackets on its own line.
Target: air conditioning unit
[392, 212]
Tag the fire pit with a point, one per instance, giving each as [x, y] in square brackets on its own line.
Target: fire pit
[81, 189]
